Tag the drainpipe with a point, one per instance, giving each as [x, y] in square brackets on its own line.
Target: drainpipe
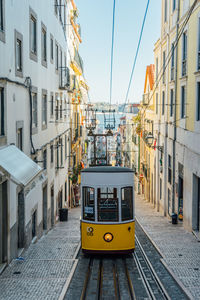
[175, 105]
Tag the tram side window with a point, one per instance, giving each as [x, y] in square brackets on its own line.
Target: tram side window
[127, 203]
[107, 205]
[88, 204]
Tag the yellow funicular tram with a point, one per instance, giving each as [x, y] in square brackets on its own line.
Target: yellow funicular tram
[107, 223]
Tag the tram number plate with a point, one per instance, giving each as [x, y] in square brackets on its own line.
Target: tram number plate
[89, 210]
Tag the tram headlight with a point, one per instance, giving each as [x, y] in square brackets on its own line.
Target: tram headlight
[108, 237]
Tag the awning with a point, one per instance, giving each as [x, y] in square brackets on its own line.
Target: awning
[17, 166]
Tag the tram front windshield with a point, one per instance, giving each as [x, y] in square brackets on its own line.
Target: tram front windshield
[107, 204]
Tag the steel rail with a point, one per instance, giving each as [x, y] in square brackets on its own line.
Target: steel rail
[152, 271]
[100, 280]
[116, 281]
[130, 285]
[84, 290]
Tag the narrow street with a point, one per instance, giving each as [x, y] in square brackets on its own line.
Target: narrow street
[45, 269]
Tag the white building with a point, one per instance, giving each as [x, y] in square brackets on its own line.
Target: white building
[34, 117]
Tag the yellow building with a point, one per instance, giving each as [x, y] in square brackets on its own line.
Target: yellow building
[78, 99]
[177, 109]
[147, 153]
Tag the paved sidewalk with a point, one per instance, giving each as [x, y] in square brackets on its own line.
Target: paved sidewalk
[179, 248]
[46, 266]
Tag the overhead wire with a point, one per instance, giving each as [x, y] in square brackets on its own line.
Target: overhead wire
[112, 50]
[136, 55]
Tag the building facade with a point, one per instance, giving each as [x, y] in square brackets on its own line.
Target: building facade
[36, 111]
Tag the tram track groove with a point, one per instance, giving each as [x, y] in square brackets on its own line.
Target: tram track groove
[149, 271]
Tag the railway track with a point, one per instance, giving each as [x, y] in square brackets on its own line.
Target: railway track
[125, 277]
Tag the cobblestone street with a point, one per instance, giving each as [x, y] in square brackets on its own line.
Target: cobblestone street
[179, 248]
[46, 265]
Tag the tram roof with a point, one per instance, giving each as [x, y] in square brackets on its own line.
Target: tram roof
[107, 169]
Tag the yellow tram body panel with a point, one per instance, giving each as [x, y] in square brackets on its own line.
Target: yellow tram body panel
[123, 237]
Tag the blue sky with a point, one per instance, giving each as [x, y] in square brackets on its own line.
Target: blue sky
[95, 18]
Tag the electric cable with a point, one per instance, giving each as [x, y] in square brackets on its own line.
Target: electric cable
[136, 55]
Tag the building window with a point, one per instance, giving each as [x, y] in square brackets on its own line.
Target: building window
[45, 159]
[2, 112]
[51, 150]
[18, 54]
[2, 20]
[61, 109]
[51, 48]
[20, 138]
[34, 110]
[169, 169]
[165, 12]
[57, 155]
[61, 152]
[163, 66]
[56, 7]
[44, 45]
[156, 103]
[184, 54]
[156, 69]
[1, 16]
[44, 109]
[57, 62]
[51, 105]
[198, 58]
[172, 62]
[160, 188]
[171, 102]
[163, 103]
[33, 34]
[198, 102]
[173, 5]
[65, 146]
[183, 102]
[57, 108]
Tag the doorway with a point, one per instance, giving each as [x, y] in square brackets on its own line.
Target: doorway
[180, 198]
[21, 219]
[196, 203]
[34, 223]
[45, 207]
[52, 206]
[3, 223]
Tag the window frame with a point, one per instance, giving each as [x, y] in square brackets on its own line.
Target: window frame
[163, 103]
[56, 57]
[2, 111]
[33, 55]
[183, 102]
[114, 198]
[184, 54]
[2, 28]
[43, 45]
[44, 124]
[52, 48]
[171, 102]
[18, 71]
[198, 102]
[132, 216]
[34, 91]
[51, 105]
[94, 206]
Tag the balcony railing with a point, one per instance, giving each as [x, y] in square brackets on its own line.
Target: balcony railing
[184, 67]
